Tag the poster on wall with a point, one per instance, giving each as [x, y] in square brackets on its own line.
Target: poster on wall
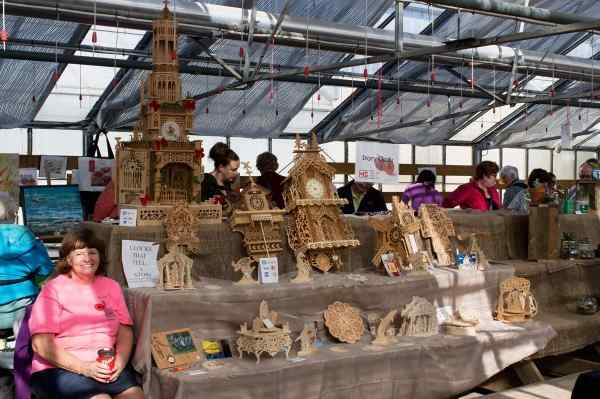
[51, 210]
[93, 174]
[376, 162]
[9, 177]
[55, 166]
[140, 263]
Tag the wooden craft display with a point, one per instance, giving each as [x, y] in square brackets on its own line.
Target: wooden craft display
[385, 330]
[417, 257]
[266, 335]
[419, 318]
[516, 303]
[175, 348]
[389, 238]
[303, 268]
[307, 340]
[175, 268]
[461, 323]
[246, 266]
[344, 322]
[316, 225]
[160, 166]
[259, 224]
[437, 226]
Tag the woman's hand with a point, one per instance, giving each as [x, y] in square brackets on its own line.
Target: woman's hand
[117, 370]
[97, 371]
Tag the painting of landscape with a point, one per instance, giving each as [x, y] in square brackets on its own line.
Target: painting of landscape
[51, 210]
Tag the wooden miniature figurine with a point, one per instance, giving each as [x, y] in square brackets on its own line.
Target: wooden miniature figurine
[303, 268]
[259, 224]
[344, 322]
[316, 225]
[266, 336]
[246, 266]
[175, 271]
[437, 226]
[389, 239]
[181, 226]
[515, 301]
[383, 337]
[419, 318]
[160, 166]
[307, 340]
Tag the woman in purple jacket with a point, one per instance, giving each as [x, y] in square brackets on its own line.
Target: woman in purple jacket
[423, 191]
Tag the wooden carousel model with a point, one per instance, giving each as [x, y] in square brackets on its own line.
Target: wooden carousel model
[160, 167]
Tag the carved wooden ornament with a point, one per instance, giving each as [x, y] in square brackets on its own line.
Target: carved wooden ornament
[515, 301]
[386, 325]
[316, 225]
[419, 318]
[175, 271]
[265, 336]
[246, 267]
[344, 322]
[307, 340]
[438, 227]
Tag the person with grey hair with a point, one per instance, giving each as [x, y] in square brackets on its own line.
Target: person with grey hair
[509, 175]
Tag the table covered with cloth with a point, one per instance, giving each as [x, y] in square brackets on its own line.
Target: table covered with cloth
[414, 367]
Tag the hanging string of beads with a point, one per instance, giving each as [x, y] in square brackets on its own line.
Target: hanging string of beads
[3, 32]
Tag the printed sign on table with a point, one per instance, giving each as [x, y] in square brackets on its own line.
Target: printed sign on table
[268, 271]
[376, 163]
[94, 173]
[140, 263]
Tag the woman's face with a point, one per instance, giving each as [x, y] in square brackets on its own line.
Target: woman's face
[84, 262]
[230, 172]
[489, 181]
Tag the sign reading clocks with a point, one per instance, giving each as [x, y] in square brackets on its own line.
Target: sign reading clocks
[316, 226]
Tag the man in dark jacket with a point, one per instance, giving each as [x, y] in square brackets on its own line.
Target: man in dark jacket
[362, 198]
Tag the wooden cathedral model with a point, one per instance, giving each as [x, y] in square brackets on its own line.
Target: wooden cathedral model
[315, 226]
[160, 166]
[258, 222]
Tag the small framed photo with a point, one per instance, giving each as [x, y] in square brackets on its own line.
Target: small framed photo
[391, 264]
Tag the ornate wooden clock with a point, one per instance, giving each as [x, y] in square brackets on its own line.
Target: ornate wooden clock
[316, 226]
[259, 224]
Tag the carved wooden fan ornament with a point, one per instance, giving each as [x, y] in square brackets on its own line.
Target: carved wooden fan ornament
[344, 322]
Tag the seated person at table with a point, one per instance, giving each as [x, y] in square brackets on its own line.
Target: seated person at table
[78, 312]
[537, 178]
[216, 185]
[480, 193]
[267, 165]
[423, 191]
[362, 198]
[23, 260]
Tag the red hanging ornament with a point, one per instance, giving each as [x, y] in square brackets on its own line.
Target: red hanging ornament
[55, 75]
[94, 37]
[173, 55]
[155, 105]
[144, 199]
[515, 83]
[3, 36]
[206, 111]
[397, 100]
[552, 92]
[189, 105]
[306, 71]
[199, 154]
[366, 73]
[115, 82]
[241, 52]
[319, 96]
[433, 75]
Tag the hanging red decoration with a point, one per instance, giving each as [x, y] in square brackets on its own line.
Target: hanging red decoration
[189, 105]
[366, 73]
[241, 52]
[206, 110]
[144, 199]
[433, 75]
[397, 100]
[55, 75]
[3, 36]
[306, 71]
[199, 154]
[319, 96]
[155, 105]
[552, 92]
[115, 82]
[515, 83]
[428, 103]
[94, 37]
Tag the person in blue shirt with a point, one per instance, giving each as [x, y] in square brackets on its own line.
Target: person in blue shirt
[23, 260]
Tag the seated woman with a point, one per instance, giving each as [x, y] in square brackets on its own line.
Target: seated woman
[216, 185]
[423, 191]
[538, 178]
[77, 313]
[480, 193]
[23, 261]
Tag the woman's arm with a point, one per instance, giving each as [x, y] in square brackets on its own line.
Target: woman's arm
[45, 347]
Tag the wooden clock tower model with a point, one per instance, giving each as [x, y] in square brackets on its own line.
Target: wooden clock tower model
[316, 226]
[160, 167]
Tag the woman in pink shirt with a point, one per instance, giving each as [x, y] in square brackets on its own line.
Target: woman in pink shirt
[76, 314]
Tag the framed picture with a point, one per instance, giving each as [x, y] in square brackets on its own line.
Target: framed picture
[391, 264]
[51, 210]
[175, 348]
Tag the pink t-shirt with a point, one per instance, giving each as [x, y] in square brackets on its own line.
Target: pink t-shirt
[84, 317]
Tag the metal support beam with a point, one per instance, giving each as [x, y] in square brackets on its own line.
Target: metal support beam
[218, 59]
[202, 18]
[399, 27]
[498, 8]
[462, 77]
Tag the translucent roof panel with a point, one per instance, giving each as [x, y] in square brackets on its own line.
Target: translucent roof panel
[25, 84]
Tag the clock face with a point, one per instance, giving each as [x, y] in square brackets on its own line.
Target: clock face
[170, 130]
[314, 188]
